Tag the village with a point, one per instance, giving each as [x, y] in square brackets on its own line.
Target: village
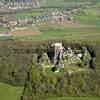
[57, 16]
[13, 6]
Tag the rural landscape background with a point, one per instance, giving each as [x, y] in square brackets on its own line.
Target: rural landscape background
[17, 72]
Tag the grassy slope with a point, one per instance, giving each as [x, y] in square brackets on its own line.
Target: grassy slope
[8, 92]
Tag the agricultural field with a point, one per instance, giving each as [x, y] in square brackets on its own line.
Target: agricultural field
[28, 14]
[27, 31]
[62, 3]
[87, 26]
[74, 98]
[2, 29]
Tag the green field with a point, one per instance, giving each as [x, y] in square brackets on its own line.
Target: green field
[74, 98]
[62, 3]
[2, 29]
[8, 92]
[26, 15]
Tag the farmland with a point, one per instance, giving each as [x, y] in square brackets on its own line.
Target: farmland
[62, 3]
[86, 22]
[72, 32]
[74, 98]
[2, 29]
[86, 26]
[25, 15]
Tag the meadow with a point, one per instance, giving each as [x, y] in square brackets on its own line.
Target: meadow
[8, 92]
